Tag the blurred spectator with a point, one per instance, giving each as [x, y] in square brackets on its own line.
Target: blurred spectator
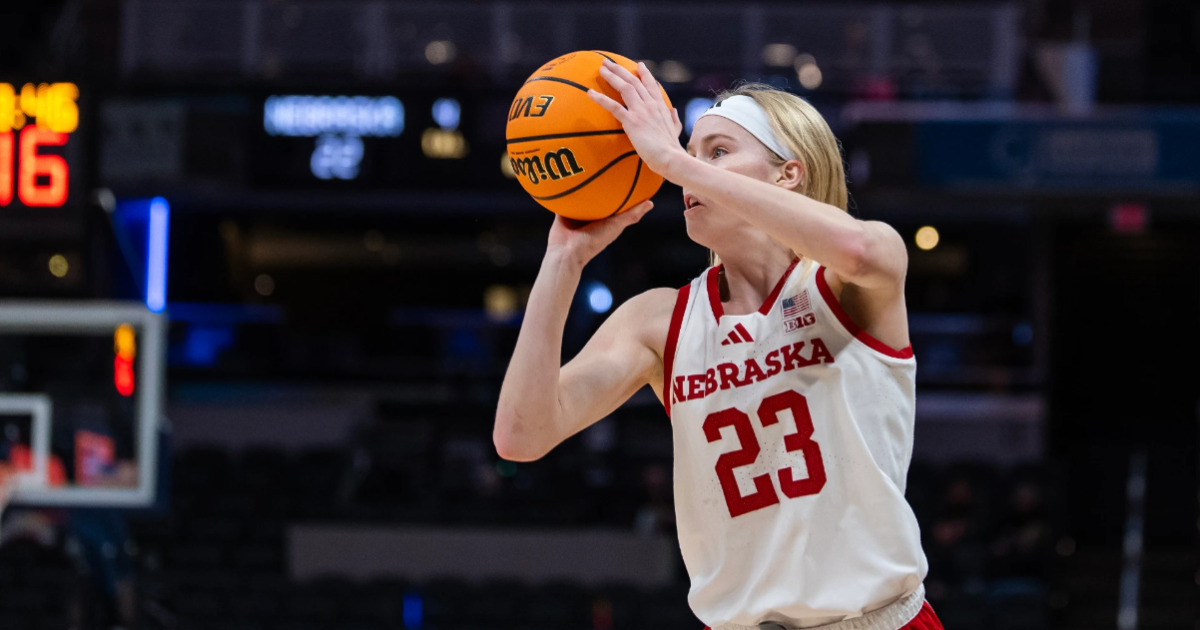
[97, 441]
[1024, 543]
[8, 483]
[8, 465]
[98, 542]
[16, 457]
[955, 522]
[956, 555]
[657, 512]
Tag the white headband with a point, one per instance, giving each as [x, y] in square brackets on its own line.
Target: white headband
[744, 111]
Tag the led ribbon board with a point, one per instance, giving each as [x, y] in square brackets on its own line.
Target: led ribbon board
[36, 122]
[339, 123]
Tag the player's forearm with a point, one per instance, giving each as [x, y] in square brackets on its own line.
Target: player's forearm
[528, 414]
[812, 228]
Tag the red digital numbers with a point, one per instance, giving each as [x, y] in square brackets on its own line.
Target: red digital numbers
[6, 168]
[31, 166]
[123, 375]
[764, 490]
[54, 167]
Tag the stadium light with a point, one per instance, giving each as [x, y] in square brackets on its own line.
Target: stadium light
[808, 71]
[600, 299]
[413, 611]
[440, 51]
[927, 237]
[156, 255]
[447, 113]
[58, 265]
[694, 110]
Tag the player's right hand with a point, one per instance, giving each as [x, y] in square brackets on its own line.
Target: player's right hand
[580, 241]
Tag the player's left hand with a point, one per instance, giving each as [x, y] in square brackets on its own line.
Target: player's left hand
[652, 127]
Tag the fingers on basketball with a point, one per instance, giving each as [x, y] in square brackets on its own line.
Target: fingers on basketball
[567, 143]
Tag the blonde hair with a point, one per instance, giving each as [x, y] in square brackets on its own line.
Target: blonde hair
[802, 128]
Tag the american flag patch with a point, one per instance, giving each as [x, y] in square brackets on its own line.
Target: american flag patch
[796, 304]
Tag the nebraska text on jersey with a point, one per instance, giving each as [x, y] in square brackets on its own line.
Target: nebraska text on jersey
[727, 374]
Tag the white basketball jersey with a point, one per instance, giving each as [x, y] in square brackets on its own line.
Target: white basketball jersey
[793, 432]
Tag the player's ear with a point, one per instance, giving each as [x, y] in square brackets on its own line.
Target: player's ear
[791, 175]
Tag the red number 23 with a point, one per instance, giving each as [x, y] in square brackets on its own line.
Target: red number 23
[764, 490]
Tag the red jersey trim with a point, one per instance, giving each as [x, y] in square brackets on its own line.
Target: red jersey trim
[767, 304]
[854, 329]
[714, 290]
[681, 302]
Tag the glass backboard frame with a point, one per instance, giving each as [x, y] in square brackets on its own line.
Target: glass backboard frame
[39, 407]
[63, 317]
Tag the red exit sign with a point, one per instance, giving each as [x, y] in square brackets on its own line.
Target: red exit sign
[36, 122]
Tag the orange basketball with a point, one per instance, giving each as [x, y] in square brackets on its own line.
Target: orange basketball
[568, 152]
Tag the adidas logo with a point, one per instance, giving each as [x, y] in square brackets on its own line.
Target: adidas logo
[739, 334]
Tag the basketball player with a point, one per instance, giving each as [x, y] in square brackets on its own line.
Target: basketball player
[785, 369]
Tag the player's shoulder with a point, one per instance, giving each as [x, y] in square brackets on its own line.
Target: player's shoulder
[649, 306]
[654, 300]
[647, 315]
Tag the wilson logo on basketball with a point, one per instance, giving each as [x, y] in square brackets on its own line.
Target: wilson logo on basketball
[554, 166]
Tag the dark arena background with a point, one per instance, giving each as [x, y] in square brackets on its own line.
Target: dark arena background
[263, 263]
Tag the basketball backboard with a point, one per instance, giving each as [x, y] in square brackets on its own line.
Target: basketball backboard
[71, 366]
[36, 408]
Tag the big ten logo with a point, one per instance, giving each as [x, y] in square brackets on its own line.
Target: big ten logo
[530, 106]
[40, 179]
[554, 165]
[807, 319]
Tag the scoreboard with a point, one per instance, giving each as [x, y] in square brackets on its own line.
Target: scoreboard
[36, 123]
[412, 140]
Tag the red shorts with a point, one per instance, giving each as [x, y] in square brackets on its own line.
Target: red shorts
[925, 620]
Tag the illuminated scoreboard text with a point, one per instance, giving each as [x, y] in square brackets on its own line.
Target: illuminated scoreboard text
[338, 123]
[34, 118]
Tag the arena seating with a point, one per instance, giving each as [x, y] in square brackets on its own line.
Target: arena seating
[217, 559]
[33, 586]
